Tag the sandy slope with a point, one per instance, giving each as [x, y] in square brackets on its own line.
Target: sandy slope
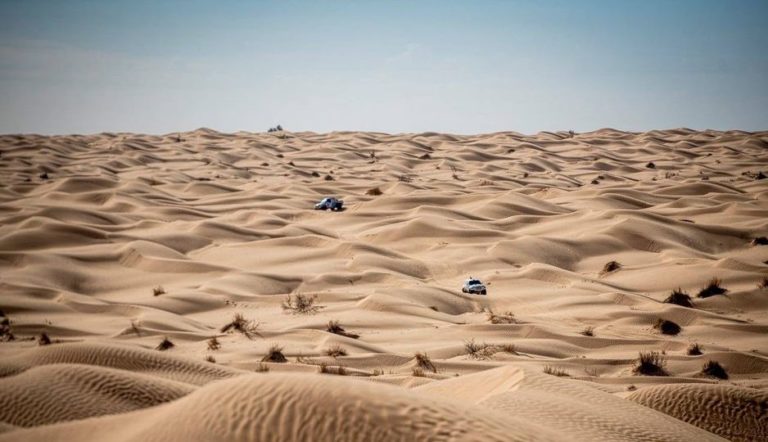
[223, 222]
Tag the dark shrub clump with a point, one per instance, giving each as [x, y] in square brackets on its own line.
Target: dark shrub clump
[714, 369]
[667, 327]
[275, 354]
[650, 364]
[694, 349]
[713, 288]
[679, 297]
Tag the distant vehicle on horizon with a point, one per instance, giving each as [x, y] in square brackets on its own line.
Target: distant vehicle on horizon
[474, 286]
[330, 203]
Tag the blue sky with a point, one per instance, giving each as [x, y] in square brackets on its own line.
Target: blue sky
[392, 66]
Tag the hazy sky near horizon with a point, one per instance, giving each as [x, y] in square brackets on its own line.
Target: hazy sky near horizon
[393, 66]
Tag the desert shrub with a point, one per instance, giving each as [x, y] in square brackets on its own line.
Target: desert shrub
[335, 328]
[650, 165]
[418, 372]
[588, 331]
[315, 174]
[157, 291]
[214, 344]
[503, 318]
[426, 156]
[763, 284]
[713, 288]
[43, 339]
[667, 327]
[335, 351]
[405, 178]
[210, 359]
[760, 241]
[679, 297]
[423, 361]
[714, 369]
[274, 354]
[508, 348]
[595, 181]
[242, 325]
[328, 178]
[5, 330]
[554, 371]
[478, 351]
[377, 372]
[165, 344]
[374, 192]
[610, 266]
[694, 349]
[650, 364]
[44, 176]
[338, 370]
[300, 304]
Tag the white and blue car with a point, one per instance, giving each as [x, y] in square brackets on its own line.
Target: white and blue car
[330, 203]
[474, 286]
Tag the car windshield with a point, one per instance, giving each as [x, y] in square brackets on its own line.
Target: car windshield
[474, 282]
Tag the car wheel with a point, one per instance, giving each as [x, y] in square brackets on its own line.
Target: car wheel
[463, 290]
[483, 292]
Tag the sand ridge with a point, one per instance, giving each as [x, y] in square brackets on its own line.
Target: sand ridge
[112, 243]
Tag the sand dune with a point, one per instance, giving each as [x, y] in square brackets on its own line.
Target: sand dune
[112, 243]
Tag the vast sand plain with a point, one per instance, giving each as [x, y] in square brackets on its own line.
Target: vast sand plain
[111, 243]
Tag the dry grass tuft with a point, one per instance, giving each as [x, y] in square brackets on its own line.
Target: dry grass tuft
[694, 349]
[301, 304]
[650, 165]
[715, 370]
[650, 364]
[679, 297]
[610, 267]
[588, 331]
[424, 362]
[274, 354]
[503, 318]
[554, 371]
[338, 370]
[508, 348]
[328, 178]
[713, 288]
[242, 325]
[214, 344]
[165, 344]
[157, 291]
[43, 339]
[335, 328]
[210, 359]
[667, 327]
[335, 351]
[374, 192]
[261, 368]
[479, 351]
[418, 372]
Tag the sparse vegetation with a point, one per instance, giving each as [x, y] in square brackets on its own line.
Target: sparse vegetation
[242, 325]
[426, 156]
[650, 165]
[588, 331]
[43, 339]
[5, 330]
[694, 349]
[377, 372]
[679, 297]
[554, 371]
[335, 328]
[715, 370]
[328, 178]
[274, 354]
[157, 291]
[135, 327]
[301, 304]
[261, 368]
[210, 359]
[760, 241]
[338, 370]
[650, 364]
[405, 178]
[610, 267]
[713, 288]
[478, 351]
[214, 344]
[418, 372]
[315, 174]
[374, 192]
[424, 362]
[763, 284]
[503, 318]
[335, 351]
[165, 344]
[44, 176]
[508, 348]
[667, 327]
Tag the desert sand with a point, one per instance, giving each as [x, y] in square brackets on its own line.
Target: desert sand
[122, 255]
